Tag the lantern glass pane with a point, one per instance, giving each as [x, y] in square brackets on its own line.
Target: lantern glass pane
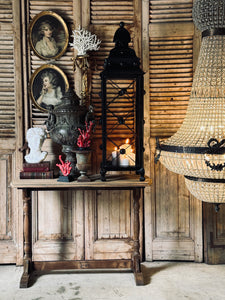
[120, 122]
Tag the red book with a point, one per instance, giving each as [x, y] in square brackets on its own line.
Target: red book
[37, 167]
[36, 175]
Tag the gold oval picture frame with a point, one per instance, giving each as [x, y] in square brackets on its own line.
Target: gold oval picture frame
[48, 35]
[47, 86]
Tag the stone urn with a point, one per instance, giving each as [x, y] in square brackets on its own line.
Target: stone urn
[63, 123]
[83, 163]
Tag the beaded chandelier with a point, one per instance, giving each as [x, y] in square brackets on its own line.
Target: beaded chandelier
[197, 149]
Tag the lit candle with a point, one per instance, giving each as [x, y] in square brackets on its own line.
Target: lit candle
[115, 157]
[124, 161]
[131, 157]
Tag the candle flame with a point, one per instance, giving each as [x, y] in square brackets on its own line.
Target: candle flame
[115, 149]
[127, 141]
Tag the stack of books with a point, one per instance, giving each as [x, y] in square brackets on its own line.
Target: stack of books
[36, 171]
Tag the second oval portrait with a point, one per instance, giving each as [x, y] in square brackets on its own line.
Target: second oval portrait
[47, 86]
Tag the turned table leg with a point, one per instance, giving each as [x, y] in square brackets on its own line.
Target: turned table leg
[27, 259]
[136, 254]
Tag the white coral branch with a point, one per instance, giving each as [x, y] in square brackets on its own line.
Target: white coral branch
[84, 40]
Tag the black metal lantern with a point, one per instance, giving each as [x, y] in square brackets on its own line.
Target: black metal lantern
[122, 109]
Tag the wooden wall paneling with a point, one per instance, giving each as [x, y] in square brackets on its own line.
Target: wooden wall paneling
[171, 73]
[90, 223]
[112, 12]
[176, 226]
[58, 225]
[108, 229]
[197, 230]
[11, 130]
[175, 230]
[20, 121]
[214, 234]
[8, 213]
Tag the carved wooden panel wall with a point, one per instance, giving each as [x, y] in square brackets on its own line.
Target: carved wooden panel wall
[175, 226]
[8, 246]
[82, 225]
[214, 234]
[176, 220]
[10, 100]
[7, 75]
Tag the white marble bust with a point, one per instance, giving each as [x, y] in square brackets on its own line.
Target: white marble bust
[35, 138]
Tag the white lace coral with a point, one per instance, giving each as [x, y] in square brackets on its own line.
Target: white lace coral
[84, 40]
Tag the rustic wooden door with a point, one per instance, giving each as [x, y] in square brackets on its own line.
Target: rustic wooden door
[10, 113]
[214, 234]
[173, 217]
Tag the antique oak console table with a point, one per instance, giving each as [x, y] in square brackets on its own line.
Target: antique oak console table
[112, 183]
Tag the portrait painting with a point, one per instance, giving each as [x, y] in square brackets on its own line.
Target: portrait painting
[47, 86]
[48, 35]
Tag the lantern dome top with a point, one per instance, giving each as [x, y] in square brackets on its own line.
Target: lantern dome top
[209, 14]
[121, 36]
[122, 59]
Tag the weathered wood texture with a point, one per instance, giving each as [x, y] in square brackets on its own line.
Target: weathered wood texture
[170, 82]
[8, 245]
[174, 226]
[7, 72]
[101, 221]
[214, 234]
[10, 132]
[170, 11]
[163, 36]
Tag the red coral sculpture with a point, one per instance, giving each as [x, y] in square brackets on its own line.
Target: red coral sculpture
[84, 139]
[65, 167]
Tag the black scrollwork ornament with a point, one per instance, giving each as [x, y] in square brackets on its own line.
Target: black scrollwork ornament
[215, 147]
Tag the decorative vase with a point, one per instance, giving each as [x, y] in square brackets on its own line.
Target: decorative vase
[83, 164]
[63, 123]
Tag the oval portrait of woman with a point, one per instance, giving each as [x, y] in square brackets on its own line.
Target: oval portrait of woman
[48, 35]
[47, 86]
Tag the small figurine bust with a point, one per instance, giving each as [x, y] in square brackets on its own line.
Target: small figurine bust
[35, 138]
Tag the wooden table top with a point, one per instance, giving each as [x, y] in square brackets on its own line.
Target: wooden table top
[112, 181]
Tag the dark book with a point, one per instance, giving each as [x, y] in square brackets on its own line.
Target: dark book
[36, 175]
[37, 167]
